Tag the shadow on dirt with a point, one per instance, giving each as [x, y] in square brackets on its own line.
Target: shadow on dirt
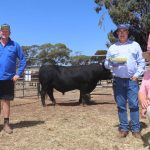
[143, 126]
[23, 124]
[24, 104]
[75, 103]
[145, 137]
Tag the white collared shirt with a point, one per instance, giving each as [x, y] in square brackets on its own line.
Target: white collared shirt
[131, 50]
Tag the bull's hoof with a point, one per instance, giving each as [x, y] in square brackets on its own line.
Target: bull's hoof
[80, 103]
[83, 103]
[53, 103]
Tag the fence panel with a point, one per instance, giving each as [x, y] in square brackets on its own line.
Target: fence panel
[27, 88]
[31, 88]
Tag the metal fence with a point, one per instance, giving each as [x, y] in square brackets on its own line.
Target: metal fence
[31, 88]
[27, 88]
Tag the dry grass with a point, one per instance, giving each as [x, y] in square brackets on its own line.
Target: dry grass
[69, 126]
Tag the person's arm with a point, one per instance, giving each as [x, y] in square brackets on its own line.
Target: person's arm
[109, 64]
[144, 103]
[143, 94]
[143, 112]
[143, 100]
[140, 62]
[148, 44]
[143, 91]
[22, 61]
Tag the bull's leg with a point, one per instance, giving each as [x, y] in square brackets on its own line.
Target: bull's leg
[51, 96]
[84, 98]
[43, 93]
[80, 98]
[87, 98]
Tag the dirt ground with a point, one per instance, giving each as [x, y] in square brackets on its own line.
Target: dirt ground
[68, 125]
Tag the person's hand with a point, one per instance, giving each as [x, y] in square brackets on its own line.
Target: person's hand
[134, 78]
[15, 78]
[143, 113]
[114, 64]
[145, 103]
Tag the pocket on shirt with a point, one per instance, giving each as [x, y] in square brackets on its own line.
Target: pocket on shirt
[11, 53]
[114, 55]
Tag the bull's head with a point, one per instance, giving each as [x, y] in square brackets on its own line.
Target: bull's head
[108, 72]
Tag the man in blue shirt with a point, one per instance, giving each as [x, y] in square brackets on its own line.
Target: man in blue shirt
[10, 52]
[125, 60]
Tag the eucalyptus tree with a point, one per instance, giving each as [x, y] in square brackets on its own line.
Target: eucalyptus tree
[99, 56]
[31, 53]
[79, 60]
[43, 54]
[133, 12]
[54, 54]
[60, 54]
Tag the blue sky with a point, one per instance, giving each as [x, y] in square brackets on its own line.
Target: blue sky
[71, 22]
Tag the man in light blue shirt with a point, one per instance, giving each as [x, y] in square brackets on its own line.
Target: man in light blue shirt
[125, 60]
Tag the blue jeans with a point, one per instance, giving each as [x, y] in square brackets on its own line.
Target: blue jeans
[126, 92]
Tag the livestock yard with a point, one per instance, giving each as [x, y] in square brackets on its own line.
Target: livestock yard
[69, 126]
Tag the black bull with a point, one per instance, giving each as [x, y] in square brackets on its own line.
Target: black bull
[67, 78]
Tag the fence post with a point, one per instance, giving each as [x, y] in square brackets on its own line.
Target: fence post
[23, 87]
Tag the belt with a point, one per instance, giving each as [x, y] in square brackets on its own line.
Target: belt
[121, 78]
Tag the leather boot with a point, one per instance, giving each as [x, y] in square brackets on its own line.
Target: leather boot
[7, 128]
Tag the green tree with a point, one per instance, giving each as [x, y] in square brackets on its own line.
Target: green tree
[99, 56]
[31, 53]
[43, 54]
[133, 12]
[60, 54]
[79, 60]
[55, 54]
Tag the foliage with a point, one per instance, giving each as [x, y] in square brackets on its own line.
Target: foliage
[31, 53]
[47, 53]
[60, 54]
[44, 51]
[100, 55]
[79, 60]
[53, 54]
[57, 54]
[133, 12]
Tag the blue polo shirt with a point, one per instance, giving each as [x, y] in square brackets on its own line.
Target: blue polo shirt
[8, 60]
